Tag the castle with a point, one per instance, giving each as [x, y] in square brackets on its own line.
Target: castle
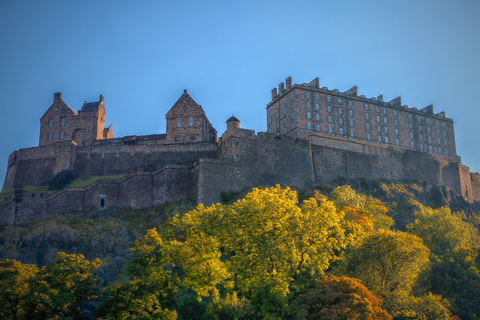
[314, 135]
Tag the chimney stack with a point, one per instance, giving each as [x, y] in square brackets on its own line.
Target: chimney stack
[57, 96]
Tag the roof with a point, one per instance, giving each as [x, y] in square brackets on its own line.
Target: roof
[185, 101]
[233, 118]
[90, 105]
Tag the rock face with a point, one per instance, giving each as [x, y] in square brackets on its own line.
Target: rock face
[108, 234]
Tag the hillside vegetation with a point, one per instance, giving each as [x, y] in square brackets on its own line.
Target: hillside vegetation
[389, 250]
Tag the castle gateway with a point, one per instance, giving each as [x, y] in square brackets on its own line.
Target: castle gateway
[314, 135]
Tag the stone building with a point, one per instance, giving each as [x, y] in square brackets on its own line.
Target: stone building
[61, 123]
[315, 135]
[301, 110]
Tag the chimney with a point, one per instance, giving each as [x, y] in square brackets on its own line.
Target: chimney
[57, 96]
[101, 98]
[380, 98]
[288, 82]
[274, 93]
[281, 88]
[315, 83]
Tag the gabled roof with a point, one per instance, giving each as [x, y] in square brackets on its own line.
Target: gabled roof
[185, 101]
[58, 104]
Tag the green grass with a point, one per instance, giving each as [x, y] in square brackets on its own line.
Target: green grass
[86, 181]
[31, 189]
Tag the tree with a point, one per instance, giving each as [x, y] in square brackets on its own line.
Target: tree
[14, 285]
[338, 298]
[388, 263]
[62, 288]
[443, 231]
[260, 247]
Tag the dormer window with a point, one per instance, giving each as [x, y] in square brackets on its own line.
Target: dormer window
[179, 122]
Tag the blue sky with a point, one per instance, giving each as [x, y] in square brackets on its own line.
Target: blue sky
[229, 54]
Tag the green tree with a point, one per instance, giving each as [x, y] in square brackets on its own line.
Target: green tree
[443, 231]
[61, 289]
[388, 263]
[260, 247]
[338, 298]
[14, 286]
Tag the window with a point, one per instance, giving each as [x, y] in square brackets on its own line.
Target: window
[444, 133]
[350, 113]
[438, 131]
[270, 120]
[316, 96]
[428, 129]
[386, 139]
[384, 119]
[419, 128]
[62, 122]
[88, 119]
[86, 132]
[349, 103]
[379, 138]
[410, 116]
[429, 139]
[50, 136]
[378, 118]
[190, 121]
[445, 142]
[386, 130]
[419, 119]
[412, 145]
[340, 110]
[377, 109]
[284, 100]
[351, 123]
[284, 120]
[394, 113]
[293, 125]
[367, 116]
[428, 120]
[50, 123]
[395, 121]
[329, 118]
[368, 136]
[339, 101]
[352, 133]
[436, 122]
[329, 99]
[438, 141]
[309, 116]
[421, 137]
[396, 142]
[317, 116]
[366, 107]
[430, 148]
[278, 125]
[278, 114]
[284, 130]
[379, 129]
[439, 150]
[179, 122]
[330, 130]
[62, 135]
[308, 105]
[446, 151]
[384, 111]
[421, 146]
[284, 110]
[86, 144]
[329, 108]
[340, 120]
[318, 127]
[292, 114]
[291, 104]
[368, 126]
[316, 106]
[411, 135]
[308, 94]
[291, 94]
[396, 132]
[443, 124]
[410, 125]
[341, 131]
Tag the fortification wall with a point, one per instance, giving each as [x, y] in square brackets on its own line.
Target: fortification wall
[38, 166]
[475, 182]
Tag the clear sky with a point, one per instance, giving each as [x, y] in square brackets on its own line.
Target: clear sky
[229, 54]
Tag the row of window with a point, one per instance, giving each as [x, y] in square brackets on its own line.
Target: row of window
[190, 122]
[62, 122]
